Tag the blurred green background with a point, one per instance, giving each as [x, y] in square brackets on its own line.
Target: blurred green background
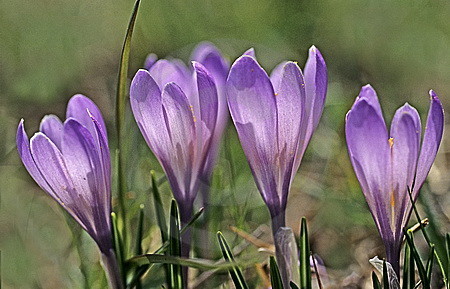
[50, 50]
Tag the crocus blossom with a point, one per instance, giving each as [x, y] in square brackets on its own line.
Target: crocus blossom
[275, 118]
[387, 163]
[71, 162]
[176, 111]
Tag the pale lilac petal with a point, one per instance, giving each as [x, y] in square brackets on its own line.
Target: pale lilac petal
[369, 150]
[207, 96]
[146, 103]
[431, 140]
[50, 163]
[208, 55]
[250, 52]
[23, 147]
[78, 107]
[165, 71]
[52, 127]
[262, 165]
[275, 75]
[405, 144]
[150, 60]
[290, 99]
[316, 81]
[180, 126]
[252, 104]
[369, 94]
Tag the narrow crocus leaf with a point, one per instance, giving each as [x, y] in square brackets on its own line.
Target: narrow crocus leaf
[117, 243]
[447, 243]
[419, 264]
[159, 209]
[138, 245]
[275, 277]
[430, 262]
[293, 285]
[176, 278]
[121, 99]
[408, 269]
[192, 220]
[375, 282]
[305, 266]
[235, 271]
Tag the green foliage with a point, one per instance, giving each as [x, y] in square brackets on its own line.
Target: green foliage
[235, 271]
[275, 277]
[305, 253]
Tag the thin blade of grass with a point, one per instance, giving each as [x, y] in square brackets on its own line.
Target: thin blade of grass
[430, 262]
[409, 276]
[375, 282]
[418, 261]
[275, 276]
[427, 239]
[175, 273]
[159, 208]
[305, 267]
[293, 285]
[118, 244]
[235, 271]
[138, 245]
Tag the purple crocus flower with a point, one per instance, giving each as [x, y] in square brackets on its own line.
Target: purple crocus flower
[176, 111]
[387, 163]
[275, 118]
[71, 162]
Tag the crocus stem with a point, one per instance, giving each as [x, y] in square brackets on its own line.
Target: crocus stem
[109, 263]
[279, 221]
[393, 257]
[185, 217]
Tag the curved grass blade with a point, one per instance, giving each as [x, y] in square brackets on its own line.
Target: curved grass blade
[375, 282]
[175, 273]
[121, 97]
[418, 261]
[305, 267]
[427, 239]
[293, 285]
[430, 262]
[275, 276]
[409, 276]
[138, 245]
[118, 245]
[159, 208]
[235, 271]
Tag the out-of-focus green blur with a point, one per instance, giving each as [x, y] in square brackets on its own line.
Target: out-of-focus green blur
[50, 50]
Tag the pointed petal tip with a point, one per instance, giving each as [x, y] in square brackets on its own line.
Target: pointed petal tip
[250, 52]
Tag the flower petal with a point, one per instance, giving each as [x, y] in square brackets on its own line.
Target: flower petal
[165, 71]
[290, 98]
[50, 163]
[431, 140]
[316, 82]
[211, 58]
[253, 107]
[52, 127]
[23, 147]
[78, 107]
[250, 52]
[150, 60]
[405, 144]
[369, 150]
[146, 103]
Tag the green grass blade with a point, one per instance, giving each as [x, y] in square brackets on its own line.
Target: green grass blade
[159, 208]
[305, 267]
[408, 269]
[293, 285]
[427, 238]
[175, 273]
[235, 271]
[375, 281]
[121, 99]
[430, 262]
[275, 276]
[386, 283]
[418, 261]
[118, 244]
[138, 245]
